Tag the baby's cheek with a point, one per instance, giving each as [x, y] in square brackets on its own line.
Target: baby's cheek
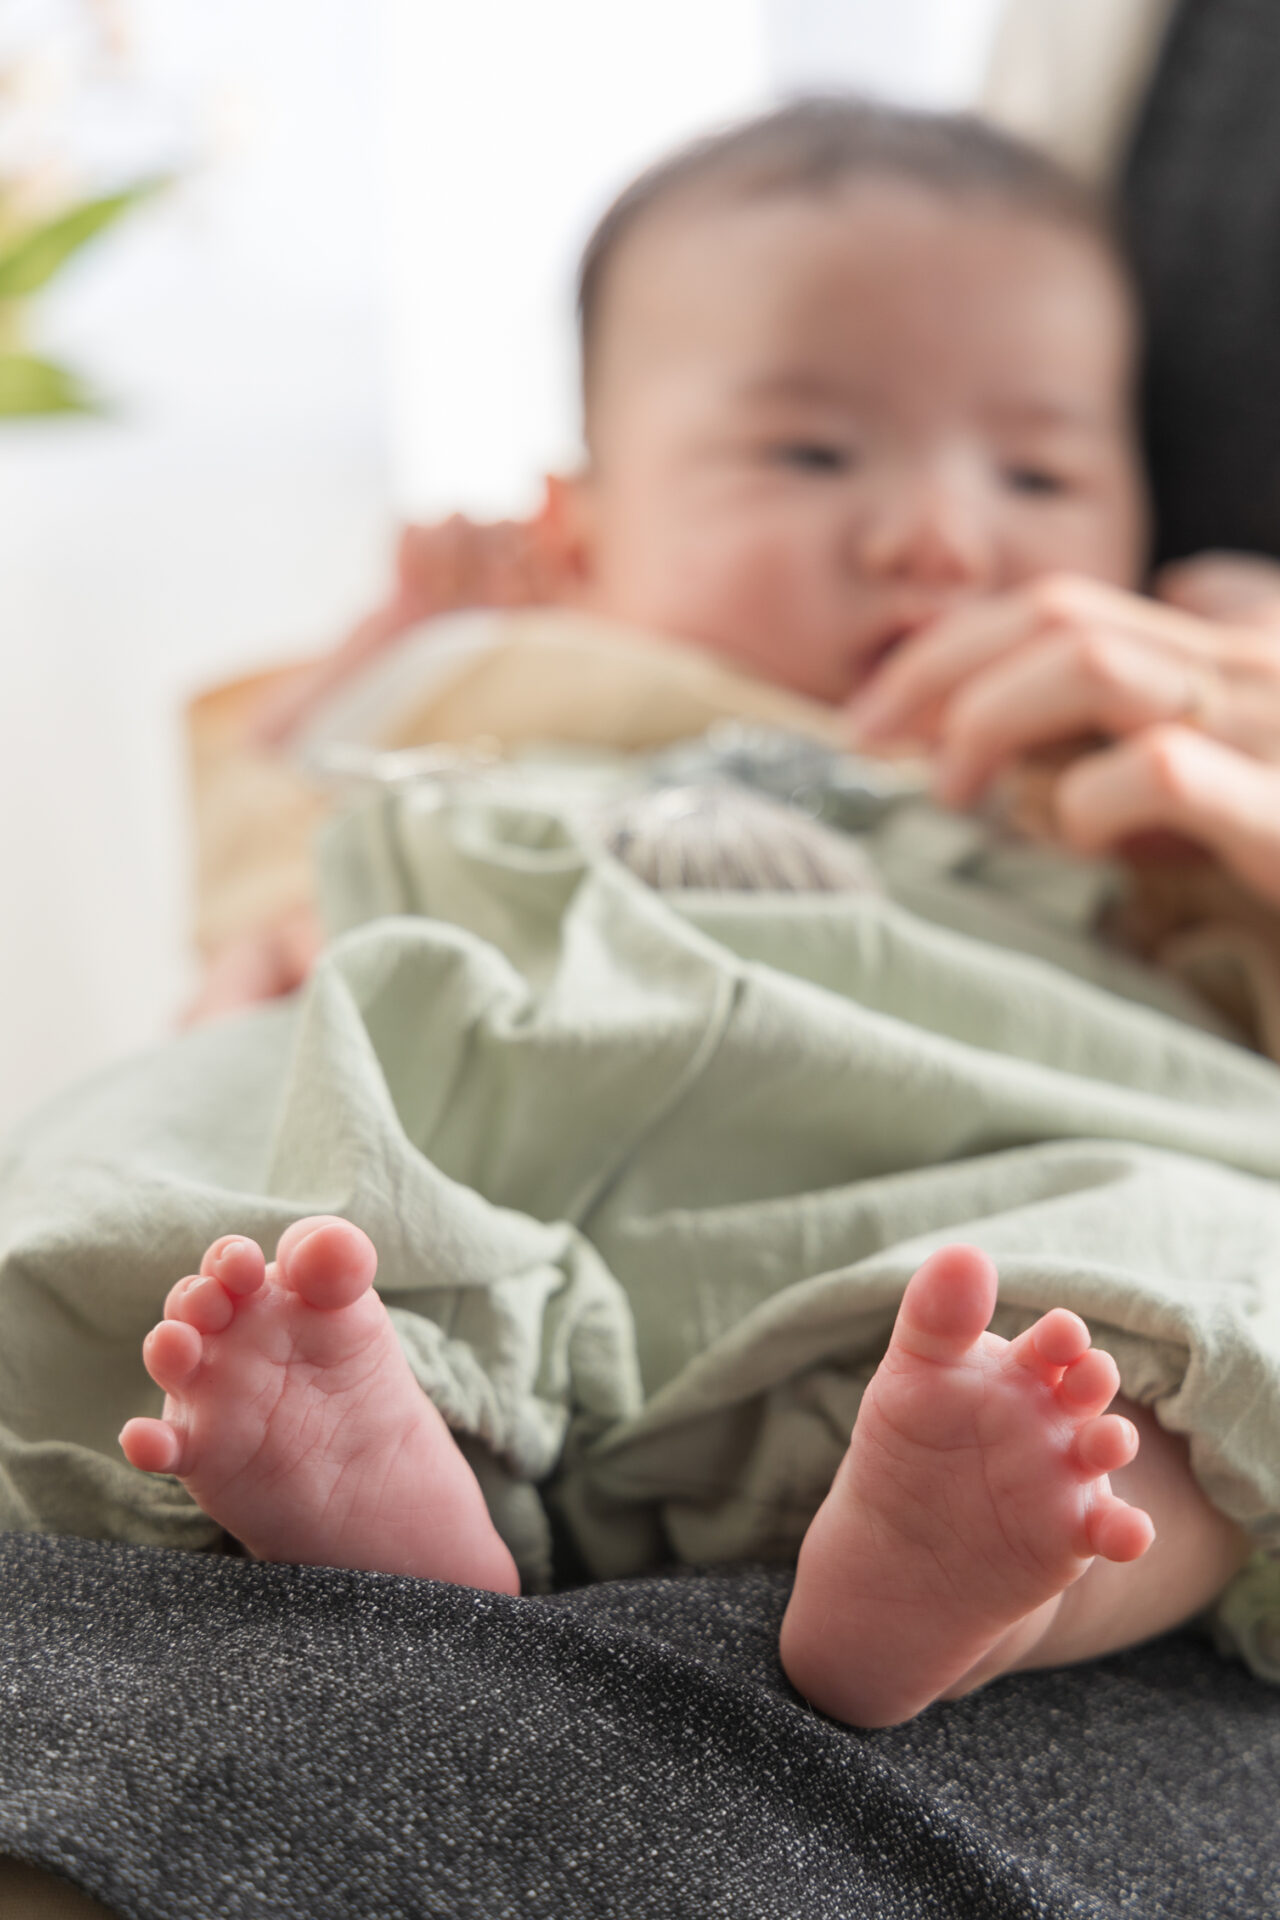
[780, 613]
[746, 601]
[749, 591]
[1103, 539]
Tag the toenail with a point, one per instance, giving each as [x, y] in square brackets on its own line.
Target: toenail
[305, 1241]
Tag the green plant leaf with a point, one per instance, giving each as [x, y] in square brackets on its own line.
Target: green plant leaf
[31, 259]
[31, 386]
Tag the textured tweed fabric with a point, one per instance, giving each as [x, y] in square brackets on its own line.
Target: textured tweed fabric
[192, 1736]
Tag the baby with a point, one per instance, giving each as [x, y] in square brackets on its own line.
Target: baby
[844, 371]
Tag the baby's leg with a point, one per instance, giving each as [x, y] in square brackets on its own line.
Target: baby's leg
[291, 1417]
[972, 1529]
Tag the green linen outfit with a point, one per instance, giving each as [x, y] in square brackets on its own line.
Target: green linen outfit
[647, 1174]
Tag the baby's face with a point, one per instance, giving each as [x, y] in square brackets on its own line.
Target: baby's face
[818, 423]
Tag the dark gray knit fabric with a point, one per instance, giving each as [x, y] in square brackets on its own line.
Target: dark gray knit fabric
[191, 1736]
[1202, 205]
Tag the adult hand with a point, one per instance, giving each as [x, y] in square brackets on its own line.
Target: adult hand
[1190, 707]
[1240, 588]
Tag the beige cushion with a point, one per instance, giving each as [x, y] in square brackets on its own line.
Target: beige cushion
[1070, 75]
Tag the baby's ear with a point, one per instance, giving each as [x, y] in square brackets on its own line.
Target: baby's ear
[565, 529]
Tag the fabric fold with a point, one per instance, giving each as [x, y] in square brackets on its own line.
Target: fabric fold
[647, 1174]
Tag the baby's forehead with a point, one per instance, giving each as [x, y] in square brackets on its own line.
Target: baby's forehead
[709, 263]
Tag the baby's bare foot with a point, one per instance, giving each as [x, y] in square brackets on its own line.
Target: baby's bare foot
[974, 1492]
[292, 1418]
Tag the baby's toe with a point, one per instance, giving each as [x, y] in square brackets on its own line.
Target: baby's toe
[153, 1446]
[1116, 1531]
[1056, 1340]
[947, 1304]
[177, 1292]
[327, 1261]
[1106, 1444]
[238, 1263]
[1089, 1384]
[200, 1302]
[171, 1353]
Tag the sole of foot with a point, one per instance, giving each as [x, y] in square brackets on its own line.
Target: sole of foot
[973, 1494]
[292, 1418]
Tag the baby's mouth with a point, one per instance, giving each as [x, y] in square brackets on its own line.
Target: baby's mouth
[871, 658]
[895, 631]
[887, 644]
[874, 653]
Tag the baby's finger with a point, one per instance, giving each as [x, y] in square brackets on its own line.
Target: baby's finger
[446, 571]
[442, 566]
[1176, 778]
[1069, 685]
[509, 565]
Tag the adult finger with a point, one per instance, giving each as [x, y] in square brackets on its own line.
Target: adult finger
[922, 674]
[1176, 778]
[906, 696]
[1237, 587]
[1070, 684]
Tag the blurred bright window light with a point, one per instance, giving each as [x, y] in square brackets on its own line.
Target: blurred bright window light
[510, 125]
[922, 53]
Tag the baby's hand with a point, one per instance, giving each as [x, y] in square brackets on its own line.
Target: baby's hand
[263, 965]
[462, 563]
[445, 568]
[1243, 588]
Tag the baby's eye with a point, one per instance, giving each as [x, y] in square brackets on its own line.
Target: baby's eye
[1030, 479]
[812, 456]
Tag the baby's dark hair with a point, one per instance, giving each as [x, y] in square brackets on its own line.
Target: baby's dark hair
[815, 146]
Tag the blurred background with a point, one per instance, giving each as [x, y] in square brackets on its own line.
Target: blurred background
[350, 303]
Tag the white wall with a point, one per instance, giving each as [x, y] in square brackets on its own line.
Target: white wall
[230, 509]
[510, 126]
[924, 53]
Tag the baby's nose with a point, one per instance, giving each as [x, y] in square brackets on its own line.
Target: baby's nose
[929, 529]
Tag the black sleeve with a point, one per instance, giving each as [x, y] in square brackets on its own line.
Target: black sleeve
[1200, 195]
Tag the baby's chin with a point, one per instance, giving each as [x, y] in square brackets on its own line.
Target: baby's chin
[829, 679]
[829, 673]
[835, 674]
[837, 683]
